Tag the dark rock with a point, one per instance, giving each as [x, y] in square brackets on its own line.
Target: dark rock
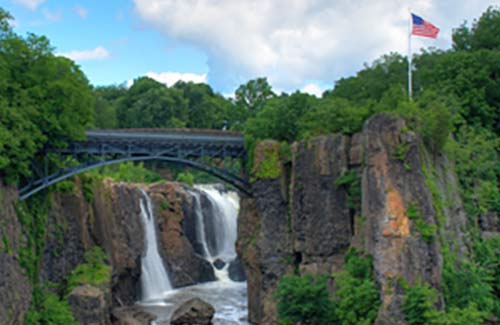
[194, 311]
[184, 264]
[389, 185]
[488, 222]
[88, 305]
[15, 291]
[67, 235]
[219, 264]
[133, 315]
[264, 240]
[235, 271]
[119, 230]
[15, 287]
[322, 225]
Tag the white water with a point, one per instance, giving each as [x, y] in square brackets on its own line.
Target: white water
[224, 219]
[227, 297]
[154, 277]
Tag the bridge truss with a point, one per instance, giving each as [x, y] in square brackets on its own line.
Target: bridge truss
[203, 151]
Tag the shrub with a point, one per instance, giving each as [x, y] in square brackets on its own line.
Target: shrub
[304, 300]
[186, 178]
[94, 271]
[357, 295]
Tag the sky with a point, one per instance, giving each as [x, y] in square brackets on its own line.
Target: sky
[297, 44]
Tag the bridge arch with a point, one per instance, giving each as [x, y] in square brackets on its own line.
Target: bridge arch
[104, 148]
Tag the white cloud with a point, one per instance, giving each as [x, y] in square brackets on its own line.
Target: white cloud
[99, 53]
[30, 4]
[170, 78]
[296, 40]
[313, 89]
[81, 11]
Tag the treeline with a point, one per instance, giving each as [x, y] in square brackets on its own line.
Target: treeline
[44, 99]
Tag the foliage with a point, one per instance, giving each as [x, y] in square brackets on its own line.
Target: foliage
[105, 106]
[357, 295]
[332, 115]
[419, 304]
[484, 34]
[50, 309]
[352, 182]
[478, 167]
[280, 117]
[253, 95]
[149, 104]
[94, 271]
[304, 300]
[187, 178]
[32, 215]
[268, 166]
[427, 230]
[128, 172]
[44, 99]
[419, 307]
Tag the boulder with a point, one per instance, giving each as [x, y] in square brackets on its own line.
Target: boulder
[88, 305]
[133, 315]
[219, 264]
[193, 312]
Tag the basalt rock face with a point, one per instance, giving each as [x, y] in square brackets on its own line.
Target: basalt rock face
[109, 218]
[392, 181]
[307, 218]
[320, 218]
[15, 291]
[175, 213]
[15, 288]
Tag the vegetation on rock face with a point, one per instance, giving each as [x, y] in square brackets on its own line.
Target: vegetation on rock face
[306, 299]
[94, 271]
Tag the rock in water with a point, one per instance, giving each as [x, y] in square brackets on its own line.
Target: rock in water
[133, 315]
[193, 312]
[219, 264]
[236, 272]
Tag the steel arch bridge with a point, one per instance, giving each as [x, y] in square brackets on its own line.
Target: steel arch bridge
[105, 147]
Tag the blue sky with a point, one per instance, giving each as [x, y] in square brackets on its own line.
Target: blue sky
[297, 44]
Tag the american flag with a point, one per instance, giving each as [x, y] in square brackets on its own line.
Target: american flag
[423, 28]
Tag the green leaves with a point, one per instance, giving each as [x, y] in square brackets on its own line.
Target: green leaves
[304, 300]
[44, 100]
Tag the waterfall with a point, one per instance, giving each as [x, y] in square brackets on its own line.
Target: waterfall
[154, 277]
[217, 232]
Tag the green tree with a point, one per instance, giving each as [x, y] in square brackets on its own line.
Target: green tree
[253, 95]
[44, 99]
[106, 102]
[207, 109]
[150, 104]
[280, 117]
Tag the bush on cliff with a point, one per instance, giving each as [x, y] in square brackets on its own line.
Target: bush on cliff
[95, 270]
[419, 307]
[357, 295]
[304, 300]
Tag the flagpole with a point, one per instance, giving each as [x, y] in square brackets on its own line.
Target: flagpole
[409, 56]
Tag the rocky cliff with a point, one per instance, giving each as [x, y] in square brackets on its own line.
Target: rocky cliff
[46, 246]
[370, 191]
